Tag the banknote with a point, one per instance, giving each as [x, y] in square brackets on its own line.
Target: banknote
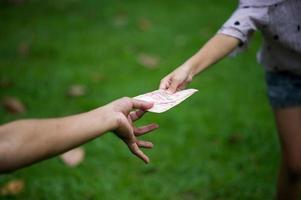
[163, 100]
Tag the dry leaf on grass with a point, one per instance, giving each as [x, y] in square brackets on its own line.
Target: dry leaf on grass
[144, 24]
[13, 187]
[97, 77]
[5, 83]
[76, 90]
[148, 61]
[121, 19]
[23, 49]
[235, 138]
[13, 105]
[73, 157]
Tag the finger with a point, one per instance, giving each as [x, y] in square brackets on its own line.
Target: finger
[164, 83]
[181, 87]
[136, 114]
[173, 86]
[145, 144]
[142, 105]
[145, 129]
[135, 150]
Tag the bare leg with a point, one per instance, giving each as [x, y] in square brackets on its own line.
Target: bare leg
[288, 122]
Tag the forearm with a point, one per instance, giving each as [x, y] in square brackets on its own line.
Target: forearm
[27, 141]
[214, 50]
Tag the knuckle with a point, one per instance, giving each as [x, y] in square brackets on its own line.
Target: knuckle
[176, 79]
[189, 79]
[164, 80]
[127, 99]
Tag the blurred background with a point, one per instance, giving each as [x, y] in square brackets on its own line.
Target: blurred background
[62, 57]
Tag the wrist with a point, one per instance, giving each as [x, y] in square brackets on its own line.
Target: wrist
[195, 67]
[103, 120]
[189, 68]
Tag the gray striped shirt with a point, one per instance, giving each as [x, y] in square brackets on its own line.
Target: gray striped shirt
[279, 21]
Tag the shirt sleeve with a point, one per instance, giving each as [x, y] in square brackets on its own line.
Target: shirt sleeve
[241, 24]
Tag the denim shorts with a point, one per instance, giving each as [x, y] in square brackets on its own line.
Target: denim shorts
[284, 89]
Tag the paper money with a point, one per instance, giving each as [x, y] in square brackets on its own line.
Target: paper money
[163, 100]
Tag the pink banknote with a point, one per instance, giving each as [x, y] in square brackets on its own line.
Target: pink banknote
[164, 101]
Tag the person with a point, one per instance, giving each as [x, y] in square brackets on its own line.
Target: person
[28, 141]
[279, 22]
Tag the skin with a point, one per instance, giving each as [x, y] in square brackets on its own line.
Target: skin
[25, 142]
[288, 120]
[214, 50]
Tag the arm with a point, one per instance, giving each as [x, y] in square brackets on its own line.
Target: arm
[28, 141]
[214, 50]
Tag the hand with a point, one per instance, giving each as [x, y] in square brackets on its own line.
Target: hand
[176, 80]
[125, 128]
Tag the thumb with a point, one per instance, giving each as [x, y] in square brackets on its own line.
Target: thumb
[164, 83]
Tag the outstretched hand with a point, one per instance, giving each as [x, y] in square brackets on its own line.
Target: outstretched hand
[176, 80]
[127, 111]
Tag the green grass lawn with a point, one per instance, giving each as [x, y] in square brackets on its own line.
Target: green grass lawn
[219, 144]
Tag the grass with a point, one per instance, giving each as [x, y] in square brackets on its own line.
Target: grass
[219, 144]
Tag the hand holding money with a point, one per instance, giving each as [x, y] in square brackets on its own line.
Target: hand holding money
[122, 109]
[178, 79]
